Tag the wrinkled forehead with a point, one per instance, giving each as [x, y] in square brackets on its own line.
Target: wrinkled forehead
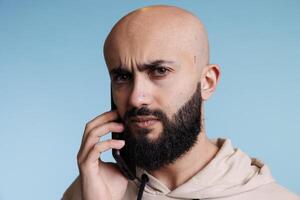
[144, 46]
[142, 41]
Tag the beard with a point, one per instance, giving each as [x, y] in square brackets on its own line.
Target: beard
[177, 137]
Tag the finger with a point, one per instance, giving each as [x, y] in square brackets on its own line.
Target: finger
[100, 147]
[99, 120]
[95, 134]
[105, 129]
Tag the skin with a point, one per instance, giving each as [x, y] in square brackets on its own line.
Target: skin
[178, 39]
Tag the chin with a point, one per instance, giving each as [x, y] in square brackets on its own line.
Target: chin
[151, 134]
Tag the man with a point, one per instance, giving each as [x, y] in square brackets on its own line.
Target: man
[158, 59]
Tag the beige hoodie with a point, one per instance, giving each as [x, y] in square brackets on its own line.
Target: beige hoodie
[230, 175]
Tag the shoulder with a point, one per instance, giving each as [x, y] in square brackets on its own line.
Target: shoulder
[73, 192]
[271, 190]
[277, 191]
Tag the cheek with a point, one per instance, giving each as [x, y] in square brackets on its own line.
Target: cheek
[175, 97]
[120, 102]
[173, 101]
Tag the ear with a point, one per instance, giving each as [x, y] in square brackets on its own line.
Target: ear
[209, 80]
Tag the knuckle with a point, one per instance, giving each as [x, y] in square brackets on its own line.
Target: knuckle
[103, 114]
[99, 130]
[83, 166]
[110, 143]
[93, 132]
[97, 146]
[87, 125]
[79, 159]
[79, 162]
[102, 146]
[105, 128]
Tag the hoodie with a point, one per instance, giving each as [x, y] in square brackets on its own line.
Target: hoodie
[231, 174]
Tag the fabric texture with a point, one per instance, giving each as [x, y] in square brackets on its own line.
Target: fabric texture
[231, 174]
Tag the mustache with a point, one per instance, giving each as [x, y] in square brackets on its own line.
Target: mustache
[143, 111]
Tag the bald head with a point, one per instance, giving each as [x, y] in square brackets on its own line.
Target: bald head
[156, 33]
[157, 58]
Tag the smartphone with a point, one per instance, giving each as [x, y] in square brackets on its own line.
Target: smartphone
[126, 165]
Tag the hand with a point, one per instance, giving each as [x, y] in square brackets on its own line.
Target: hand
[100, 180]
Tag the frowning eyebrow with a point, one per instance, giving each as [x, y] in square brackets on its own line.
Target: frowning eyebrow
[119, 70]
[153, 64]
[142, 67]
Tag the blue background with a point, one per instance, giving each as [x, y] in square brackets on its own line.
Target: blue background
[53, 80]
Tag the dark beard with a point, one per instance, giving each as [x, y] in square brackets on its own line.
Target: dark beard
[178, 135]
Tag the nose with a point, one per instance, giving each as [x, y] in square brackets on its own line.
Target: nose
[140, 94]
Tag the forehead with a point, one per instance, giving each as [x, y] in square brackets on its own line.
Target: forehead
[141, 41]
[137, 50]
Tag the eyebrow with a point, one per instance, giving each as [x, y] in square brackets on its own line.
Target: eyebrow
[142, 67]
[118, 70]
[153, 64]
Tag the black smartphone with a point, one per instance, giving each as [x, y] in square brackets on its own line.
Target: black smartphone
[126, 165]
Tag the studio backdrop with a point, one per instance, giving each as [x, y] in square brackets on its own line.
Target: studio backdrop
[53, 80]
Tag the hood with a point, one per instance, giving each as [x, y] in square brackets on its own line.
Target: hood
[230, 172]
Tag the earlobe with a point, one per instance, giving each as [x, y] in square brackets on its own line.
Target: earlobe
[210, 77]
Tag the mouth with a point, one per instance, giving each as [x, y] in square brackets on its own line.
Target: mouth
[143, 122]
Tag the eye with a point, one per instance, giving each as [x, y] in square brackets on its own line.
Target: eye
[159, 71]
[122, 77]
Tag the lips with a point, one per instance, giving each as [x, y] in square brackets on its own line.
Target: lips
[144, 122]
[142, 119]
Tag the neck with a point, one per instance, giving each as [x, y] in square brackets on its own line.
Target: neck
[183, 169]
